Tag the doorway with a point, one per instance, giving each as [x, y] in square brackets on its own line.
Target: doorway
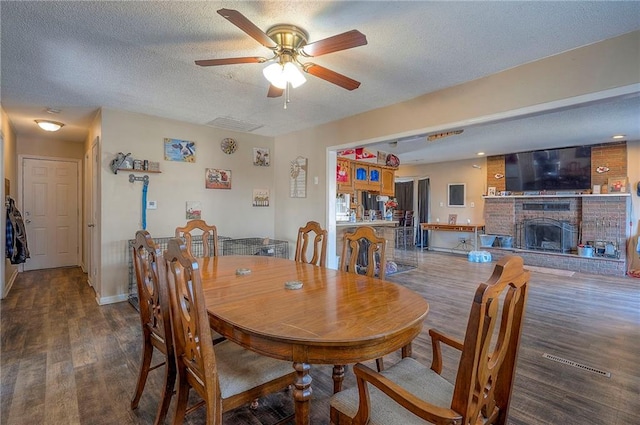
[423, 211]
[51, 211]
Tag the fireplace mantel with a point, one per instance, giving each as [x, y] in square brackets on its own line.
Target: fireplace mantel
[559, 195]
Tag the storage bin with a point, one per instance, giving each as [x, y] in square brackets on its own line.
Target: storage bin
[504, 241]
[487, 240]
[479, 256]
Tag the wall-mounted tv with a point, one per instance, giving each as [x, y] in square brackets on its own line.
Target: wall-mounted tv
[550, 169]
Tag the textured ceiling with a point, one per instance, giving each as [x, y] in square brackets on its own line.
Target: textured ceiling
[139, 57]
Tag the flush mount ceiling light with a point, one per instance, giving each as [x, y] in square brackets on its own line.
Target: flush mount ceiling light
[47, 125]
[618, 136]
[437, 136]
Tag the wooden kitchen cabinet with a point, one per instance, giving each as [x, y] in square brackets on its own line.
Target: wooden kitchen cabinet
[375, 178]
[354, 175]
[360, 176]
[388, 184]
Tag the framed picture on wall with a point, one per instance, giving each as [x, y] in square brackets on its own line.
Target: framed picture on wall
[217, 179]
[453, 218]
[491, 191]
[456, 195]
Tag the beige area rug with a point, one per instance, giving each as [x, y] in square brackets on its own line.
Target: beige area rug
[547, 270]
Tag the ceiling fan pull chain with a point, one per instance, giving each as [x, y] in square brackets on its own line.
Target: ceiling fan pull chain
[286, 94]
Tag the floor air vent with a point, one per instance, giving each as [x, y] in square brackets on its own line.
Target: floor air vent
[578, 365]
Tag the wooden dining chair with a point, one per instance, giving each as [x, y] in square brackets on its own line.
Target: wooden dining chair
[225, 376]
[153, 300]
[363, 252]
[405, 232]
[209, 234]
[410, 393]
[317, 236]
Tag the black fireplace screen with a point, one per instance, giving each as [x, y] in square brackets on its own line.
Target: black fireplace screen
[545, 234]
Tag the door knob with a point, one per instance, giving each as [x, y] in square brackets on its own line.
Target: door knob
[27, 221]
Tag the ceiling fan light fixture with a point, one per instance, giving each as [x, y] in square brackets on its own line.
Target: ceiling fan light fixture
[279, 75]
[47, 125]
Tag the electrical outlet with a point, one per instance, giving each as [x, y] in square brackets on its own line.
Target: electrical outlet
[442, 204]
[152, 205]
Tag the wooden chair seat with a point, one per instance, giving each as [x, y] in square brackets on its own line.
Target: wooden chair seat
[409, 376]
[410, 393]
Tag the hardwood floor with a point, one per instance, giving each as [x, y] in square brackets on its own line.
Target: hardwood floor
[66, 360]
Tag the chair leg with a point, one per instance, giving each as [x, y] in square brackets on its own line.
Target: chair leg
[182, 399]
[167, 391]
[380, 364]
[145, 365]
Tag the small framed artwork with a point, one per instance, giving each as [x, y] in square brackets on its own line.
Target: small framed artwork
[217, 179]
[179, 150]
[261, 157]
[456, 195]
[194, 210]
[618, 184]
[453, 218]
[298, 178]
[491, 191]
[260, 197]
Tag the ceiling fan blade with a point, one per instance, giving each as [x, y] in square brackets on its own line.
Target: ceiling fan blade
[331, 76]
[230, 61]
[274, 91]
[346, 40]
[240, 21]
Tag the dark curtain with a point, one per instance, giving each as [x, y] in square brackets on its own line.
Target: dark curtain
[423, 210]
[404, 195]
[369, 201]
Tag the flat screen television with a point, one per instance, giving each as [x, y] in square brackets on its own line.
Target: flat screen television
[550, 169]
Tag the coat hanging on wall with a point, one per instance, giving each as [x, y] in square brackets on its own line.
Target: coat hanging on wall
[16, 238]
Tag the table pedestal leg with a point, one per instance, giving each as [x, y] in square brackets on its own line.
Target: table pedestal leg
[338, 377]
[302, 393]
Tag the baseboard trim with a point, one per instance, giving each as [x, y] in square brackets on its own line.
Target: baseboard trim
[111, 300]
[9, 283]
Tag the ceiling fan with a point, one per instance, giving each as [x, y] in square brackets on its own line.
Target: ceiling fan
[289, 45]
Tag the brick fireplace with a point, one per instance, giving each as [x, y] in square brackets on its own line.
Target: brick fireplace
[547, 228]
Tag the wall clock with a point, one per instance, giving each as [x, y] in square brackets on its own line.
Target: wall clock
[228, 146]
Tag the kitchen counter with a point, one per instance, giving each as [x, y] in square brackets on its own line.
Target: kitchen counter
[384, 228]
[375, 223]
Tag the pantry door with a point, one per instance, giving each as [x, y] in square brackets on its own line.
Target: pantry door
[50, 212]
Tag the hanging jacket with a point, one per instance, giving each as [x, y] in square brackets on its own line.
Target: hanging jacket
[16, 244]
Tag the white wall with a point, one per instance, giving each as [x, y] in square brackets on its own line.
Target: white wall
[230, 210]
[8, 271]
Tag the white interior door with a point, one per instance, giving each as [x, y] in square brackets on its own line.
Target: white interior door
[92, 224]
[50, 212]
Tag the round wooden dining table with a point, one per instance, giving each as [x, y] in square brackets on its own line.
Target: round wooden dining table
[335, 318]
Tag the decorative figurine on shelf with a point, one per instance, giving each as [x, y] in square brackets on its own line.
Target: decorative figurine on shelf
[120, 161]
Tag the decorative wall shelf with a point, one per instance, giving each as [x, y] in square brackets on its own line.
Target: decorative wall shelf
[131, 170]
